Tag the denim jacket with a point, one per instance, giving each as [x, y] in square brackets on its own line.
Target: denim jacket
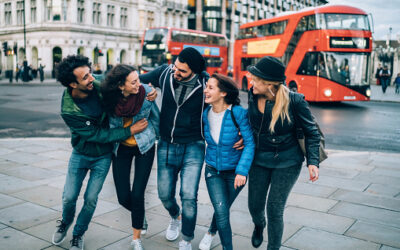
[145, 139]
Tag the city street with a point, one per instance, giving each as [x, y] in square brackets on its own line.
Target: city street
[33, 111]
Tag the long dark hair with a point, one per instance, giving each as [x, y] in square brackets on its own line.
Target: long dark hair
[227, 85]
[110, 90]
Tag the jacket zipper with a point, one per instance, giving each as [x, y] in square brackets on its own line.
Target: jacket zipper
[259, 131]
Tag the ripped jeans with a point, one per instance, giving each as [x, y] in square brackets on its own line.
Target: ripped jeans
[222, 193]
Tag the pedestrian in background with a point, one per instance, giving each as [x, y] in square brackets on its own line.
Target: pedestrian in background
[278, 156]
[397, 83]
[226, 168]
[41, 72]
[124, 99]
[384, 76]
[92, 143]
[378, 70]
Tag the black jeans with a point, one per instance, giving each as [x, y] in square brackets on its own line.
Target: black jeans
[132, 199]
[280, 181]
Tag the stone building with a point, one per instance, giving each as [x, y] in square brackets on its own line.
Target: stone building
[106, 31]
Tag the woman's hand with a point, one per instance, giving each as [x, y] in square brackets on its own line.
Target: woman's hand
[239, 144]
[240, 180]
[139, 126]
[314, 172]
[152, 95]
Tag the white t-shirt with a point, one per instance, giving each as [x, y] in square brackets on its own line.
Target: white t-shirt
[215, 122]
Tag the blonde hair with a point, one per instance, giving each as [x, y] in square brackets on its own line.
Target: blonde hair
[281, 107]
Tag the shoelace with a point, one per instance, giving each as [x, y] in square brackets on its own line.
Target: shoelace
[174, 224]
[61, 227]
[75, 241]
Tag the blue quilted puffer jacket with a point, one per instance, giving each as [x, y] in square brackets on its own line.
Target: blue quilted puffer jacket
[223, 156]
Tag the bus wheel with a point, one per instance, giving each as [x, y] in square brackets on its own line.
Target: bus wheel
[244, 84]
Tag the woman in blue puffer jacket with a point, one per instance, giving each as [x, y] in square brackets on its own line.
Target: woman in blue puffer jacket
[225, 121]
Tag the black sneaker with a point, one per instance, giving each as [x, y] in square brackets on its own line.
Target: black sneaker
[76, 242]
[60, 233]
[257, 238]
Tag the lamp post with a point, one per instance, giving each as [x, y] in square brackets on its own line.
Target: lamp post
[25, 76]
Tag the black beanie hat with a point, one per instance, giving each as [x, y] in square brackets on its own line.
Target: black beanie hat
[193, 58]
[269, 69]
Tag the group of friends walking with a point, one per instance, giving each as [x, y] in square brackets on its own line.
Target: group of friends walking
[201, 123]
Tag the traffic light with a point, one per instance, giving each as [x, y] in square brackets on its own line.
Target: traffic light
[101, 53]
[5, 47]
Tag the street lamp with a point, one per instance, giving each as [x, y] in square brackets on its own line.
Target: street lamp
[25, 76]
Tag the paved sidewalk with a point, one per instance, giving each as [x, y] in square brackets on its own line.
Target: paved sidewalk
[354, 205]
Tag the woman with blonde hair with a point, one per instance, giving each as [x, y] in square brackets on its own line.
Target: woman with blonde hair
[273, 112]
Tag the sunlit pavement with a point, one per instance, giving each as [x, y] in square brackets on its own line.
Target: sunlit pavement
[354, 205]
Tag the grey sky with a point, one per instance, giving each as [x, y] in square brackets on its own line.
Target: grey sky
[386, 13]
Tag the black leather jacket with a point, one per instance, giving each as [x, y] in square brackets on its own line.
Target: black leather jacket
[281, 149]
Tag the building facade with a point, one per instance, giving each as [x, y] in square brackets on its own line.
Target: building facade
[225, 16]
[106, 31]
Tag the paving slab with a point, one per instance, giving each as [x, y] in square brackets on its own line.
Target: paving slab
[310, 202]
[309, 238]
[7, 201]
[336, 182]
[2, 226]
[63, 155]
[367, 199]
[31, 173]
[379, 179]
[367, 213]
[376, 233]
[318, 220]
[387, 172]
[389, 248]
[42, 195]
[339, 172]
[147, 244]
[24, 158]
[313, 189]
[22, 216]
[11, 184]
[383, 190]
[17, 240]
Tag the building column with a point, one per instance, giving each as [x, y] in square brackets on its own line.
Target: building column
[27, 12]
[223, 24]
[72, 16]
[199, 14]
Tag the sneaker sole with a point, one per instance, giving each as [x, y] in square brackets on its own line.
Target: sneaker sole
[172, 239]
[59, 243]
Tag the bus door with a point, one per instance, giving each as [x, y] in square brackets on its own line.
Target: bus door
[308, 75]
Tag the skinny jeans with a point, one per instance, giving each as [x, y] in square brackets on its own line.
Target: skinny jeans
[279, 182]
[132, 198]
[221, 188]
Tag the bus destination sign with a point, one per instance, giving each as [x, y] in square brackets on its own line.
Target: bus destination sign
[349, 42]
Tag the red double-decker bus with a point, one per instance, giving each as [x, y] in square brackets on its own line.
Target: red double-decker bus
[163, 45]
[326, 51]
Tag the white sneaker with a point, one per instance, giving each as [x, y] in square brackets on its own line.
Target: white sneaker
[137, 244]
[173, 230]
[205, 243]
[185, 245]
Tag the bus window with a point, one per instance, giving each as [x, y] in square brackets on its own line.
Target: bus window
[346, 21]
[213, 61]
[156, 35]
[308, 65]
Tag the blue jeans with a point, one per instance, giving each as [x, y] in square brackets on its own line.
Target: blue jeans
[78, 167]
[222, 193]
[186, 159]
